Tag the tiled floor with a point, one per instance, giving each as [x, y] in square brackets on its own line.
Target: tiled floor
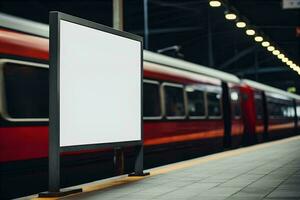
[268, 171]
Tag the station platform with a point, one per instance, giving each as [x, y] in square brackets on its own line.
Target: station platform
[264, 171]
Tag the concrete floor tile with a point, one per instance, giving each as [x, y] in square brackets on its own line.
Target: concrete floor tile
[284, 194]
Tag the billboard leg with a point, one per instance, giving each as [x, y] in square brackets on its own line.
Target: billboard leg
[119, 161]
[139, 163]
[54, 178]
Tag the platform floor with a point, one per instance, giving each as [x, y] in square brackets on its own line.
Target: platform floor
[266, 171]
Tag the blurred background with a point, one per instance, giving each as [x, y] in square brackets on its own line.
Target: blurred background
[195, 31]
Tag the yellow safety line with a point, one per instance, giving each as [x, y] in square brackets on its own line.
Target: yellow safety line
[176, 166]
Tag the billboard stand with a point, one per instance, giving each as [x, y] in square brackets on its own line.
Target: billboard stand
[70, 68]
[139, 163]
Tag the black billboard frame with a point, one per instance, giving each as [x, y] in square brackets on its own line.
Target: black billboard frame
[54, 190]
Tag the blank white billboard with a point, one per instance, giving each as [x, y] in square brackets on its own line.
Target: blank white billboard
[99, 86]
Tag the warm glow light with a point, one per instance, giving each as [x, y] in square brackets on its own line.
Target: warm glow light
[265, 44]
[230, 16]
[280, 56]
[250, 32]
[276, 52]
[289, 63]
[293, 66]
[258, 39]
[271, 48]
[240, 24]
[215, 3]
[285, 59]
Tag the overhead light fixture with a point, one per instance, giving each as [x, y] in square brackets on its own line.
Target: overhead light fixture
[250, 32]
[258, 39]
[289, 63]
[240, 24]
[280, 56]
[230, 15]
[293, 66]
[271, 48]
[276, 52]
[285, 60]
[215, 3]
[265, 44]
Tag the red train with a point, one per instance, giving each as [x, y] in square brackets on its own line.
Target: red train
[185, 104]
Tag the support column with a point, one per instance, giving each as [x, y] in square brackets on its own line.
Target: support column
[118, 14]
[210, 41]
[146, 26]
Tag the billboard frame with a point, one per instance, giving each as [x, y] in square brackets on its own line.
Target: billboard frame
[54, 104]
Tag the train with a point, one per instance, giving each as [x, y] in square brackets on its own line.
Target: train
[186, 107]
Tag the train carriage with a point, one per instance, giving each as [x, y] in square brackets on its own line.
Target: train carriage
[274, 114]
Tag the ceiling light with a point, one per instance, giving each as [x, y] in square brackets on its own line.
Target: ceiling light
[280, 56]
[289, 63]
[276, 52]
[271, 48]
[230, 16]
[285, 60]
[250, 32]
[240, 24]
[293, 66]
[215, 3]
[265, 44]
[258, 39]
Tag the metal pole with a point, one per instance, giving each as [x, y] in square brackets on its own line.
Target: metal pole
[146, 26]
[256, 64]
[118, 14]
[210, 42]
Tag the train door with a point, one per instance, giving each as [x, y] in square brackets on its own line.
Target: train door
[226, 115]
[260, 115]
[236, 117]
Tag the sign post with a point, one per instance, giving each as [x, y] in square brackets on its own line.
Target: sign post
[95, 96]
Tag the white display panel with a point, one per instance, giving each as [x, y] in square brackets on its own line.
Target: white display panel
[100, 86]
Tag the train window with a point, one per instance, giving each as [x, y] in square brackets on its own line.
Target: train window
[151, 100]
[298, 110]
[26, 91]
[174, 101]
[258, 106]
[196, 105]
[235, 104]
[213, 104]
[288, 110]
[280, 109]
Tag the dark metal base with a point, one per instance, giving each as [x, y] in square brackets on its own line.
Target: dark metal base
[61, 193]
[139, 174]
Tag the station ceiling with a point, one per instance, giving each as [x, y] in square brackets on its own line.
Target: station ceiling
[189, 24]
